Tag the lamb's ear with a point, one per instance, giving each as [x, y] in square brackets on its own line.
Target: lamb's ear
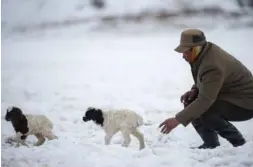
[9, 109]
[90, 108]
[99, 111]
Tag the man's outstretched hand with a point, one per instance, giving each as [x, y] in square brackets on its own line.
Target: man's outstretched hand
[168, 125]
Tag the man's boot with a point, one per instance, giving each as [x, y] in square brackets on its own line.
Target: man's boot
[222, 127]
[229, 132]
[209, 137]
[205, 146]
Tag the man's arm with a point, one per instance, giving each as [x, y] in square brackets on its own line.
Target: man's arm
[211, 81]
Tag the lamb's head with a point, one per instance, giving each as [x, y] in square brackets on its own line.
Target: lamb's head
[18, 119]
[14, 114]
[94, 114]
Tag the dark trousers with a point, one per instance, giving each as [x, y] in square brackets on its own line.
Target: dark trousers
[215, 122]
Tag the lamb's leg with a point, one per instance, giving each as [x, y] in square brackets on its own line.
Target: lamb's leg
[20, 139]
[41, 139]
[126, 137]
[23, 138]
[49, 135]
[140, 137]
[109, 136]
[22, 142]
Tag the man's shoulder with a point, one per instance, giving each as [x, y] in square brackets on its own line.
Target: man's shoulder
[217, 53]
[217, 57]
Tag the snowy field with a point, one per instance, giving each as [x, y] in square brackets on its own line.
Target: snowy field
[61, 77]
[41, 11]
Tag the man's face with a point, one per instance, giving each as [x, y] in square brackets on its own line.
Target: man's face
[188, 55]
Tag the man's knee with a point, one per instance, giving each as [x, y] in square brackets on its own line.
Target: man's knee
[213, 115]
[197, 123]
[226, 111]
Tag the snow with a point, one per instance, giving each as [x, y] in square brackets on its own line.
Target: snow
[62, 76]
[16, 13]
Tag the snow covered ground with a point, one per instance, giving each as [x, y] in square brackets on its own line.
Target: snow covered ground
[36, 12]
[23, 15]
[61, 77]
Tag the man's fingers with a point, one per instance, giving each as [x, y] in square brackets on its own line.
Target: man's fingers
[167, 131]
[163, 128]
[162, 124]
[181, 99]
[191, 96]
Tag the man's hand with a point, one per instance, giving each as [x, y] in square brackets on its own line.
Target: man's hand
[168, 125]
[189, 96]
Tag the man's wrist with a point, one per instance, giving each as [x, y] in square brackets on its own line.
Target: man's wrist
[177, 121]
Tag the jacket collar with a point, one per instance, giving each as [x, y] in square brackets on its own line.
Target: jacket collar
[202, 54]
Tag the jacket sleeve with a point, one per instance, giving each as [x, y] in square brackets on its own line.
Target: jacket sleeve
[211, 80]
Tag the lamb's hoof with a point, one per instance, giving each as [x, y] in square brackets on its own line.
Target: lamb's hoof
[124, 145]
[26, 145]
[19, 144]
[35, 145]
[9, 140]
[141, 148]
[38, 144]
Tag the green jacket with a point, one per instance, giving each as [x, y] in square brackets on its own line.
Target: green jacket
[218, 76]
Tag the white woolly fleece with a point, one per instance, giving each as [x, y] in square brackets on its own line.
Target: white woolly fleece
[38, 125]
[126, 121]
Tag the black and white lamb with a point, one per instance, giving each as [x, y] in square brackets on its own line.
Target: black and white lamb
[112, 121]
[28, 124]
